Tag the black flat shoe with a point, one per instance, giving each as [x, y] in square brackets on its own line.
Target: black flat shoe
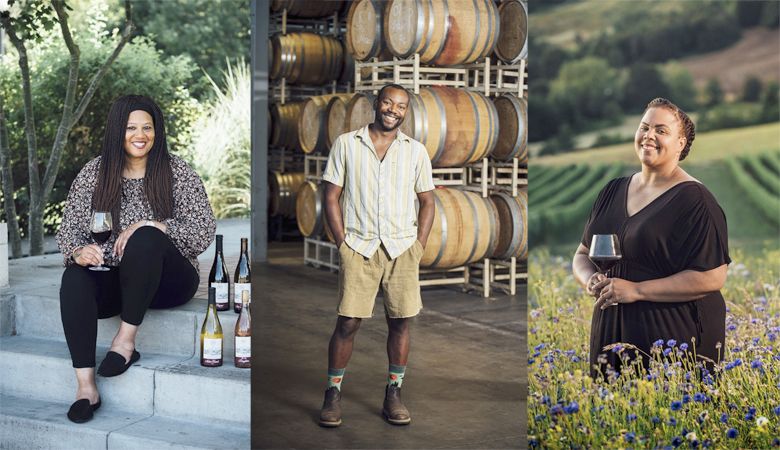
[114, 364]
[81, 411]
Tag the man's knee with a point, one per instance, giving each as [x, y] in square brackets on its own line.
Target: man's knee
[346, 327]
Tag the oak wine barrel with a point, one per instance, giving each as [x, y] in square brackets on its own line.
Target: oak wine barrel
[512, 44]
[443, 32]
[283, 189]
[305, 58]
[310, 211]
[312, 123]
[360, 111]
[336, 113]
[364, 38]
[512, 237]
[464, 229]
[284, 128]
[512, 128]
[457, 126]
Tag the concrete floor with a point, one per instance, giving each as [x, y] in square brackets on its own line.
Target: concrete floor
[465, 384]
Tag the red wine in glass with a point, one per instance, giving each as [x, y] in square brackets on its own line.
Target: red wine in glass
[604, 251]
[100, 227]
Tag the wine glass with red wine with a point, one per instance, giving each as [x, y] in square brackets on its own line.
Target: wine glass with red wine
[604, 251]
[100, 227]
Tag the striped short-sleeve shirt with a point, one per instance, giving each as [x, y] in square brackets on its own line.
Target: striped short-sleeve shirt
[378, 197]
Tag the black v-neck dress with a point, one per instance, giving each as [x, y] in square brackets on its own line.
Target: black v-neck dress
[682, 229]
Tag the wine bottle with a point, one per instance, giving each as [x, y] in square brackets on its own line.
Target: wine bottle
[219, 278]
[243, 335]
[211, 337]
[242, 278]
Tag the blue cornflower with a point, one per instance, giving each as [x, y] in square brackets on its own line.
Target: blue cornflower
[776, 410]
[546, 400]
[731, 327]
[540, 417]
[617, 348]
[686, 398]
[556, 409]
[750, 416]
[631, 417]
[531, 361]
[677, 441]
[756, 364]
[772, 337]
[533, 442]
[667, 351]
[699, 397]
[539, 347]
[732, 433]
[671, 343]
[658, 343]
[656, 420]
[629, 437]
[575, 359]
[571, 408]
[776, 442]
[724, 418]
[684, 347]
[672, 422]
[676, 405]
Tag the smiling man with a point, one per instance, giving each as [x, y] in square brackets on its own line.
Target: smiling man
[373, 176]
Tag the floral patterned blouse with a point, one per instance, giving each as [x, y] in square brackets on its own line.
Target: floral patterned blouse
[191, 229]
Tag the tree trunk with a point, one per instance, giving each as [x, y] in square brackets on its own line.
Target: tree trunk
[14, 236]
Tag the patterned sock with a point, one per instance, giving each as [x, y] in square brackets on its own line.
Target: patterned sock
[395, 377]
[334, 377]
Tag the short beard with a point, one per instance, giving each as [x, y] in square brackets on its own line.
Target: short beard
[379, 123]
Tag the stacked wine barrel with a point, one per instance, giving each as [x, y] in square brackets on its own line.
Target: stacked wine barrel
[457, 126]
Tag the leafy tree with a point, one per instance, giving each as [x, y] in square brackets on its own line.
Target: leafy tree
[586, 90]
[24, 21]
[682, 90]
[209, 31]
[713, 93]
[770, 17]
[749, 13]
[643, 84]
[544, 121]
[751, 89]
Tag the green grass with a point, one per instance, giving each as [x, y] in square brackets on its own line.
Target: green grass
[708, 146]
[635, 409]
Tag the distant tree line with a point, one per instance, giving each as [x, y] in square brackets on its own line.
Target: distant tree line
[612, 73]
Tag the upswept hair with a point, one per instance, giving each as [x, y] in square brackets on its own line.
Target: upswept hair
[158, 180]
[688, 128]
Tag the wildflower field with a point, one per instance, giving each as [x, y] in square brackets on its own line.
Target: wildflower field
[675, 402]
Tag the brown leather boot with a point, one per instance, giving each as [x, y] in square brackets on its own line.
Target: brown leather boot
[393, 409]
[330, 414]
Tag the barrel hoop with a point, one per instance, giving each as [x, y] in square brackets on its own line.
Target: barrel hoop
[513, 205]
[476, 124]
[518, 141]
[377, 30]
[446, 33]
[418, 36]
[431, 24]
[493, 218]
[492, 125]
[475, 219]
[443, 244]
[443, 129]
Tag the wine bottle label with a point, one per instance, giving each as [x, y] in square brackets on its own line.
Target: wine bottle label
[212, 349]
[238, 288]
[222, 294]
[243, 346]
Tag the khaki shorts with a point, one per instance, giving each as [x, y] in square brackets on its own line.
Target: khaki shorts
[361, 277]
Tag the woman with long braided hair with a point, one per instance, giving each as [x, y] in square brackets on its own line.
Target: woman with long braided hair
[665, 291]
[162, 221]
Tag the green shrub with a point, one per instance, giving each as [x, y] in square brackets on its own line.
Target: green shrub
[762, 174]
[222, 144]
[729, 115]
[572, 191]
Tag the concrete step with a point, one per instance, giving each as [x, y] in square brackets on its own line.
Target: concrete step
[32, 424]
[173, 331]
[159, 384]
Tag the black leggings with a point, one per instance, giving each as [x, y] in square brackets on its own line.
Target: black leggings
[152, 274]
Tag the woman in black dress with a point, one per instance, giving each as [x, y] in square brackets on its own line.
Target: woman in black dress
[674, 243]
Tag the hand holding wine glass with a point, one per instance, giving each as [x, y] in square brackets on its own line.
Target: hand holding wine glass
[604, 253]
[100, 227]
